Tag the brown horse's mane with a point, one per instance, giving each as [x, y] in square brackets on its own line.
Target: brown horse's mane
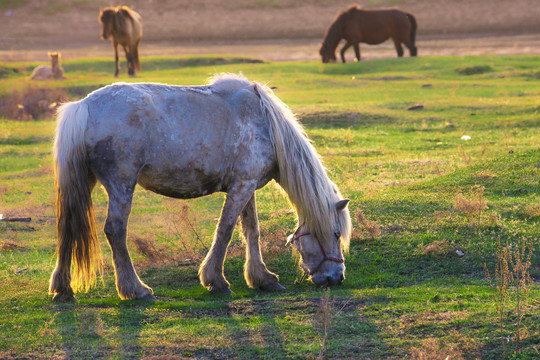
[335, 32]
[117, 15]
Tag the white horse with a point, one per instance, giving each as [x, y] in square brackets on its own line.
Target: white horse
[184, 142]
[44, 72]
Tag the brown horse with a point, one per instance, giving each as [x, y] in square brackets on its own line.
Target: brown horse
[372, 27]
[124, 26]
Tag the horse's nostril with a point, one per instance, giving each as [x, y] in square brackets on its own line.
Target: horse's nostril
[341, 278]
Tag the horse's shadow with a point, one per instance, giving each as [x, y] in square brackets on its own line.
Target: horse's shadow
[100, 331]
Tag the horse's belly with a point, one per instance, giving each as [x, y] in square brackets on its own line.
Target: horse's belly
[181, 184]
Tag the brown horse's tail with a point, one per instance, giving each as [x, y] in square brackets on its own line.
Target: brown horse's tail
[77, 238]
[412, 34]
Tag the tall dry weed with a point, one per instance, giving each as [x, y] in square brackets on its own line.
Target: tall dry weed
[325, 316]
[147, 248]
[511, 274]
[183, 228]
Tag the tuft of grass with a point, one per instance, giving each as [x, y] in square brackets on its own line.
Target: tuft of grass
[372, 228]
[472, 205]
[438, 248]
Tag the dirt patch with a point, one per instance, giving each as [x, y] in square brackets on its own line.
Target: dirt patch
[11, 246]
[32, 103]
[273, 30]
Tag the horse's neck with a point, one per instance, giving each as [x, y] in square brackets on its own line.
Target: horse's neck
[334, 34]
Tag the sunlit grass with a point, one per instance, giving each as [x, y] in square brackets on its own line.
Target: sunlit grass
[408, 172]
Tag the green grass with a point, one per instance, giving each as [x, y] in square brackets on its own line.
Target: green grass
[402, 168]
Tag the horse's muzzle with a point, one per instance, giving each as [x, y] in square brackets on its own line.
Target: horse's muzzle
[104, 36]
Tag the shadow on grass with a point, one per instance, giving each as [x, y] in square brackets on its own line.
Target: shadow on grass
[102, 330]
[33, 140]
[344, 119]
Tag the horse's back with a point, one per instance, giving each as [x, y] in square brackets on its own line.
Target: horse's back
[377, 25]
[175, 138]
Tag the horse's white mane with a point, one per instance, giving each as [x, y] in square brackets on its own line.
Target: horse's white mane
[228, 81]
[301, 172]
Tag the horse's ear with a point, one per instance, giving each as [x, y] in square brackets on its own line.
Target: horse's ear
[342, 204]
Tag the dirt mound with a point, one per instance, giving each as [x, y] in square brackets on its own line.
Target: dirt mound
[32, 103]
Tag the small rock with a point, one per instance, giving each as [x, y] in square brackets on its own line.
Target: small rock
[465, 137]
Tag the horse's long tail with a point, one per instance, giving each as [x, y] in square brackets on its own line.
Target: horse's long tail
[412, 34]
[75, 221]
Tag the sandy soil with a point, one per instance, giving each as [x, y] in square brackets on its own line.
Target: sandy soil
[275, 30]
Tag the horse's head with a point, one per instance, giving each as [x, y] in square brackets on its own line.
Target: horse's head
[55, 57]
[328, 56]
[106, 19]
[322, 258]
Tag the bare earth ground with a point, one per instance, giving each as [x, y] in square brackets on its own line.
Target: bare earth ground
[275, 30]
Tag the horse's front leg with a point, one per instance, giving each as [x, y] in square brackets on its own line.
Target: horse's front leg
[356, 48]
[117, 67]
[343, 49]
[255, 271]
[211, 270]
[128, 284]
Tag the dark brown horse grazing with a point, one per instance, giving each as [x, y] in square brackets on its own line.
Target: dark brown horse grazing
[124, 26]
[372, 27]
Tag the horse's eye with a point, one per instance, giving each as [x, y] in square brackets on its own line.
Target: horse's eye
[337, 234]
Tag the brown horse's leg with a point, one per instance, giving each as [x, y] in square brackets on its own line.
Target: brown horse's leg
[412, 49]
[356, 47]
[136, 60]
[398, 46]
[117, 67]
[255, 271]
[129, 59]
[128, 284]
[343, 49]
[211, 270]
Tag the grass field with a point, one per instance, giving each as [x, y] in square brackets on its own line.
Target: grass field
[429, 210]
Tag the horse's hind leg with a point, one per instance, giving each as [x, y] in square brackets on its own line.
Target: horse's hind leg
[128, 284]
[412, 48]
[117, 67]
[255, 271]
[129, 60]
[398, 47]
[211, 270]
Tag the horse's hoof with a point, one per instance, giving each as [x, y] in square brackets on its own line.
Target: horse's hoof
[273, 287]
[148, 297]
[216, 290]
[64, 298]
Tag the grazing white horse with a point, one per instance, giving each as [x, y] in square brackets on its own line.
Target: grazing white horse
[184, 142]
